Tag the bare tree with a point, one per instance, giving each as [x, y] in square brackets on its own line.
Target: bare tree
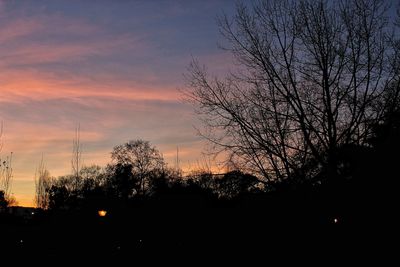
[43, 182]
[76, 161]
[6, 173]
[309, 79]
[144, 161]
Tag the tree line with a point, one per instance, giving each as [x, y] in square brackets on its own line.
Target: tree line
[137, 171]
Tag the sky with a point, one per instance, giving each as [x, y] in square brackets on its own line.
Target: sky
[114, 67]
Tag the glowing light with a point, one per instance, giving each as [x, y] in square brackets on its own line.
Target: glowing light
[102, 213]
[335, 220]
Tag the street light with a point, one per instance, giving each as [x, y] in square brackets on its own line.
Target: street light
[102, 213]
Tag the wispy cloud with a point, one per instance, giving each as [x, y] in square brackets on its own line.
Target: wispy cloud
[13, 30]
[31, 84]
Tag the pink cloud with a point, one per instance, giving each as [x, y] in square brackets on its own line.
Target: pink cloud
[19, 28]
[39, 53]
[28, 40]
[21, 85]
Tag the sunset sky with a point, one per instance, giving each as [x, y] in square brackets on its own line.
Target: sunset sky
[115, 67]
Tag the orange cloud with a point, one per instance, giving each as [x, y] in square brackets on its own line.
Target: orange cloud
[17, 86]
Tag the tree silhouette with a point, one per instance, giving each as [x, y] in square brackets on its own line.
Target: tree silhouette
[3, 201]
[43, 183]
[76, 159]
[235, 183]
[122, 181]
[62, 194]
[312, 77]
[6, 175]
[143, 161]
[135, 171]
[71, 191]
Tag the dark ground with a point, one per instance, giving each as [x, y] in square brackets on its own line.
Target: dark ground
[334, 224]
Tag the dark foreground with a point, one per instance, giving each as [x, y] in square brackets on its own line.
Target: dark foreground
[256, 227]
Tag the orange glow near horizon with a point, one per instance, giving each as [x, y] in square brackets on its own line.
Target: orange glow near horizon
[25, 198]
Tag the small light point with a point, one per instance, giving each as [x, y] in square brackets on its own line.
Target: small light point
[102, 213]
